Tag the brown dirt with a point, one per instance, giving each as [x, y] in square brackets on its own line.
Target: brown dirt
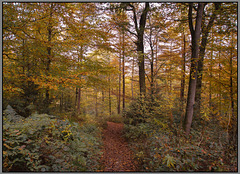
[117, 156]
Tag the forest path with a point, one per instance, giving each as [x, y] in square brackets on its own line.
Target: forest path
[117, 155]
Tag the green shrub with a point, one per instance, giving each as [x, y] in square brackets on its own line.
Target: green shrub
[158, 149]
[45, 143]
[142, 110]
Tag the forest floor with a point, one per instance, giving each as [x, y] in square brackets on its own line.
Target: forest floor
[117, 156]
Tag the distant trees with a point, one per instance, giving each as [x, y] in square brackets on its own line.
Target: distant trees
[57, 55]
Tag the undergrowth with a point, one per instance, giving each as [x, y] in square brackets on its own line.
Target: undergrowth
[44, 143]
[161, 145]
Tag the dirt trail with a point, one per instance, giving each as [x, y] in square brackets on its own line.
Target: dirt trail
[117, 155]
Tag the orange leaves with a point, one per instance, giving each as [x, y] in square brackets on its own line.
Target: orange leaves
[7, 146]
[117, 156]
[204, 151]
[22, 147]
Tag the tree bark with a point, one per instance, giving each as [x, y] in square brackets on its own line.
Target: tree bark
[96, 102]
[132, 79]
[233, 120]
[210, 81]
[48, 62]
[61, 102]
[195, 34]
[123, 71]
[140, 44]
[109, 97]
[205, 32]
[103, 96]
[119, 80]
[182, 89]
[79, 93]
[79, 101]
[151, 65]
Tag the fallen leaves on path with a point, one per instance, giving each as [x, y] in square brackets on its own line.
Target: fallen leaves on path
[117, 155]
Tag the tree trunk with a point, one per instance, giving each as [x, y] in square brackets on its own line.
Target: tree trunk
[140, 45]
[219, 86]
[48, 62]
[195, 34]
[103, 96]
[151, 66]
[61, 103]
[141, 67]
[123, 72]
[183, 76]
[76, 97]
[205, 31]
[132, 78]
[233, 120]
[96, 102]
[79, 89]
[109, 97]
[119, 81]
[210, 81]
[79, 101]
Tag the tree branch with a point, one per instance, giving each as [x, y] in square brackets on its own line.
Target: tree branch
[190, 18]
[135, 17]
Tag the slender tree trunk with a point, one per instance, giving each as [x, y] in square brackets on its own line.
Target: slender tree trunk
[119, 81]
[183, 76]
[103, 96]
[156, 63]
[151, 63]
[233, 120]
[123, 71]
[96, 102]
[220, 86]
[79, 89]
[132, 79]
[76, 98]
[61, 102]
[48, 62]
[195, 33]
[170, 69]
[109, 97]
[152, 79]
[210, 81]
[79, 101]
[152, 68]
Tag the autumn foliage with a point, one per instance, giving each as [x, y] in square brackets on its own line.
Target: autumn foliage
[160, 79]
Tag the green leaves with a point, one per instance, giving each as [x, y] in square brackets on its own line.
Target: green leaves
[44, 143]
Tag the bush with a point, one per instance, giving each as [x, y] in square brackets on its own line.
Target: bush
[161, 149]
[45, 143]
[143, 110]
[161, 145]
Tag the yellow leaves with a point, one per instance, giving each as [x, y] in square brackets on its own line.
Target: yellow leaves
[7, 146]
[46, 139]
[169, 160]
[5, 164]
[4, 152]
